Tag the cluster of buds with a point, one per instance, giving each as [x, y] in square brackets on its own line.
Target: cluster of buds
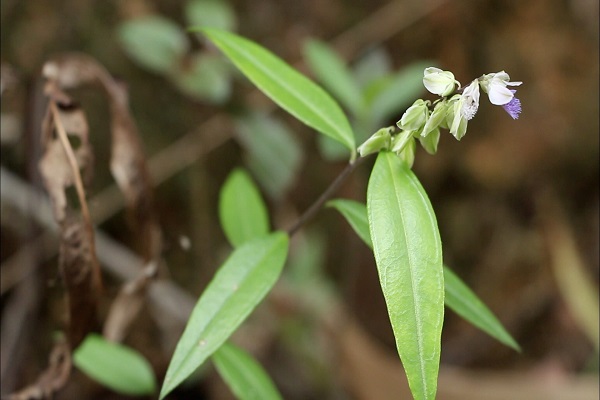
[457, 105]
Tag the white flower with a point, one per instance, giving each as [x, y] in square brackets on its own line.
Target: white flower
[470, 101]
[439, 82]
[495, 86]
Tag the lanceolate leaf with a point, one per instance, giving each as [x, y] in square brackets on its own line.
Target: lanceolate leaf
[244, 376]
[213, 13]
[408, 253]
[273, 153]
[238, 286]
[285, 86]
[154, 42]
[356, 215]
[458, 297]
[115, 366]
[390, 94]
[242, 211]
[333, 73]
[465, 303]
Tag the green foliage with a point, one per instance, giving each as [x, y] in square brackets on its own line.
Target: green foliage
[244, 375]
[372, 66]
[236, 289]
[115, 366]
[242, 211]
[207, 77]
[333, 73]
[458, 297]
[285, 86]
[370, 92]
[408, 253]
[356, 215]
[154, 42]
[210, 13]
[389, 94]
[160, 45]
[272, 153]
[465, 303]
[399, 223]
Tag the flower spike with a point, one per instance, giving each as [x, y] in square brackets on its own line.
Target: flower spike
[513, 107]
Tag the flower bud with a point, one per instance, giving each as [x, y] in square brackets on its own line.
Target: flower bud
[437, 118]
[380, 140]
[408, 153]
[439, 82]
[459, 123]
[400, 141]
[430, 142]
[414, 118]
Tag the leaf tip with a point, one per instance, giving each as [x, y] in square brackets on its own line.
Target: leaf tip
[165, 390]
[515, 346]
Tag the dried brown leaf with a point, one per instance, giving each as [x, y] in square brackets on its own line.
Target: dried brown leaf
[52, 379]
[128, 162]
[128, 167]
[128, 304]
[575, 284]
[77, 260]
[73, 70]
[65, 125]
[57, 173]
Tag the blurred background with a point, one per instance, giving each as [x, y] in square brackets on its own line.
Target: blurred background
[516, 201]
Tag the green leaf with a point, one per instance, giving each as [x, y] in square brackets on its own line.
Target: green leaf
[288, 88]
[238, 286]
[206, 78]
[356, 215]
[244, 375]
[331, 70]
[273, 153]
[305, 264]
[115, 366]
[458, 297]
[371, 66]
[388, 96]
[242, 212]
[154, 42]
[465, 303]
[210, 13]
[408, 253]
[332, 150]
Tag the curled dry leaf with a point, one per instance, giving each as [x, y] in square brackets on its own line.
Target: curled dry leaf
[65, 127]
[70, 71]
[52, 379]
[127, 305]
[128, 167]
[128, 162]
[54, 165]
[77, 260]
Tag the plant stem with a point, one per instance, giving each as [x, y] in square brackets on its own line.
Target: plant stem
[326, 195]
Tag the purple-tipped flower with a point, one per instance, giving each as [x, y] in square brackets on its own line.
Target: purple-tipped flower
[513, 107]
